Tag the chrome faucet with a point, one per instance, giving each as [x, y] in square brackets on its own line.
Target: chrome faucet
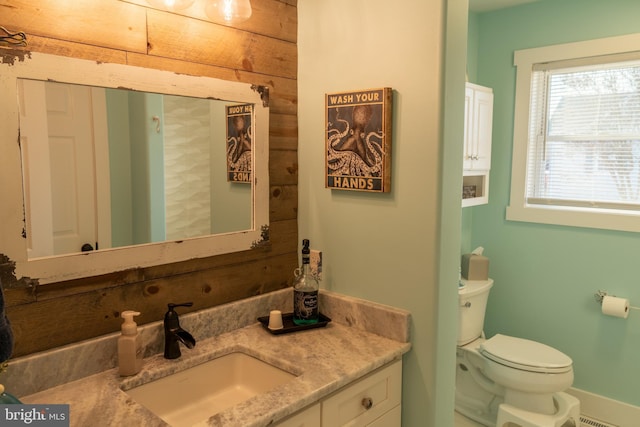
[174, 334]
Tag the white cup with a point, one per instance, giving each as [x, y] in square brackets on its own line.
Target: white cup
[275, 320]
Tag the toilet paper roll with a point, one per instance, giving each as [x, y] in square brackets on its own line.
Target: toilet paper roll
[614, 306]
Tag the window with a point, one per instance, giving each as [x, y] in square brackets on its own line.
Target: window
[584, 137]
[576, 157]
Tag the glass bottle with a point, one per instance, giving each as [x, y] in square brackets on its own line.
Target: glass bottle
[305, 291]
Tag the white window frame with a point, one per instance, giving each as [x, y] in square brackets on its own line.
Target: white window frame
[518, 209]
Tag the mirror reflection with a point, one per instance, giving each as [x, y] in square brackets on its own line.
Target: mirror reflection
[106, 168]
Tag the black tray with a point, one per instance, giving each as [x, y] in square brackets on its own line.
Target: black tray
[289, 326]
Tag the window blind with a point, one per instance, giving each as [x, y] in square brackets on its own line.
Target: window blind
[584, 136]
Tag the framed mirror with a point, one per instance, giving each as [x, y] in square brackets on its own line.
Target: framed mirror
[108, 167]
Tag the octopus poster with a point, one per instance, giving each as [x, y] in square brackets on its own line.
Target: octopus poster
[358, 142]
[239, 137]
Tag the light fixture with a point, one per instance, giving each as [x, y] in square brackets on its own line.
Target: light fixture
[172, 5]
[229, 11]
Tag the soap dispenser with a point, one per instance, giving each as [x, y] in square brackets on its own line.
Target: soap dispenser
[130, 349]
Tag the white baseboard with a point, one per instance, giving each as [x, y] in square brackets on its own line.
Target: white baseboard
[605, 409]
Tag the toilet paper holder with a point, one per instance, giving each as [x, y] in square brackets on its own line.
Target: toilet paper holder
[600, 296]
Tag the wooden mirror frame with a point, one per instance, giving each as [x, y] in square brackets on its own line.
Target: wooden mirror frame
[39, 66]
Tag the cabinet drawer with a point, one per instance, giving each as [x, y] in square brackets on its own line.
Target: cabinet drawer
[309, 417]
[366, 400]
[391, 418]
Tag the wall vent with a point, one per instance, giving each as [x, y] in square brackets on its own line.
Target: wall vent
[592, 422]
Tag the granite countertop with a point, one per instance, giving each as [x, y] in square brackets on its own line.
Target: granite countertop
[355, 343]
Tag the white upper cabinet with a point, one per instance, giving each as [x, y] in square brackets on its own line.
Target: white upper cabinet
[478, 120]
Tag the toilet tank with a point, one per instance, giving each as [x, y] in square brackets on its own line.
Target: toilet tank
[472, 304]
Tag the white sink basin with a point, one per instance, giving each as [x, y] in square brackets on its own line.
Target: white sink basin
[197, 393]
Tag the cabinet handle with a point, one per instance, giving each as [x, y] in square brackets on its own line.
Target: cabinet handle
[367, 403]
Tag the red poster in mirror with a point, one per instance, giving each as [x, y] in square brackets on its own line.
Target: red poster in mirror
[358, 140]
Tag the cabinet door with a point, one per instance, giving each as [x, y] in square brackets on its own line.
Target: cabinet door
[365, 401]
[478, 122]
[309, 417]
[482, 129]
[468, 129]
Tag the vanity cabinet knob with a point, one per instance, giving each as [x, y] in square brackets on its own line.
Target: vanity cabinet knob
[367, 403]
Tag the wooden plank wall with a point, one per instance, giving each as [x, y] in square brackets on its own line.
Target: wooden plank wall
[261, 51]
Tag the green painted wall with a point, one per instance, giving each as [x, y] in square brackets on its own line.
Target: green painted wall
[230, 201]
[450, 231]
[546, 276]
[400, 248]
[120, 170]
[472, 48]
[148, 174]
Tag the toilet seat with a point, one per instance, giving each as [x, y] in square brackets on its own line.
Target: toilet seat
[525, 355]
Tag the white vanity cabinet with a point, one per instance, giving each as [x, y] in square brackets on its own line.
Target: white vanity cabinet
[478, 121]
[374, 401]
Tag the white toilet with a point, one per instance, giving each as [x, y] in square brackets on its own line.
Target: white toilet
[505, 381]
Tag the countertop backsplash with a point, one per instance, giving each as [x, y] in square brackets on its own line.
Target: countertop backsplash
[40, 371]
